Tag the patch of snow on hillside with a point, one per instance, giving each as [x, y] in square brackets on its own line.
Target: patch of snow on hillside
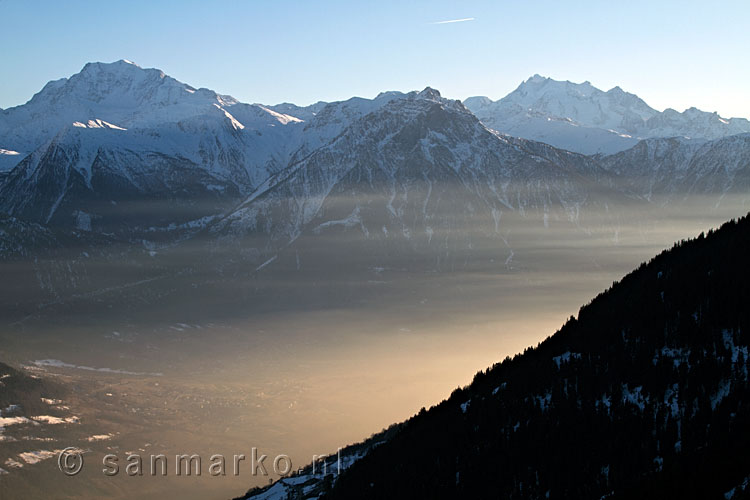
[565, 358]
[49, 419]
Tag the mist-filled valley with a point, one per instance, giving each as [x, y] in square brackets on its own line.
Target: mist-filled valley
[190, 349]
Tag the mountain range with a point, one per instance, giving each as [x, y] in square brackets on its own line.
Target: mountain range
[119, 134]
[123, 159]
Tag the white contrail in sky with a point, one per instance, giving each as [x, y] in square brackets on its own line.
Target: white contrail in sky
[454, 21]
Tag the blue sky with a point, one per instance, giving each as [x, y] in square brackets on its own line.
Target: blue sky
[672, 54]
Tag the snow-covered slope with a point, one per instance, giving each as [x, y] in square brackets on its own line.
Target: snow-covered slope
[582, 118]
[8, 159]
[305, 113]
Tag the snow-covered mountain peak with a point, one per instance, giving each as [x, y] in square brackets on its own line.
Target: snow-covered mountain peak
[477, 102]
[536, 78]
[124, 64]
[430, 93]
[540, 91]
[119, 92]
[123, 95]
[416, 103]
[101, 82]
[389, 94]
[582, 118]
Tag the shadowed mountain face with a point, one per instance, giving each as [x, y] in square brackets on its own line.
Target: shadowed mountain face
[43, 265]
[645, 393]
[677, 170]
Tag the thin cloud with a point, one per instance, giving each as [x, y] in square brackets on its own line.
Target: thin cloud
[454, 21]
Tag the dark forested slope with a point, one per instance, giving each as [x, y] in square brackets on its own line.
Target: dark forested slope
[645, 394]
